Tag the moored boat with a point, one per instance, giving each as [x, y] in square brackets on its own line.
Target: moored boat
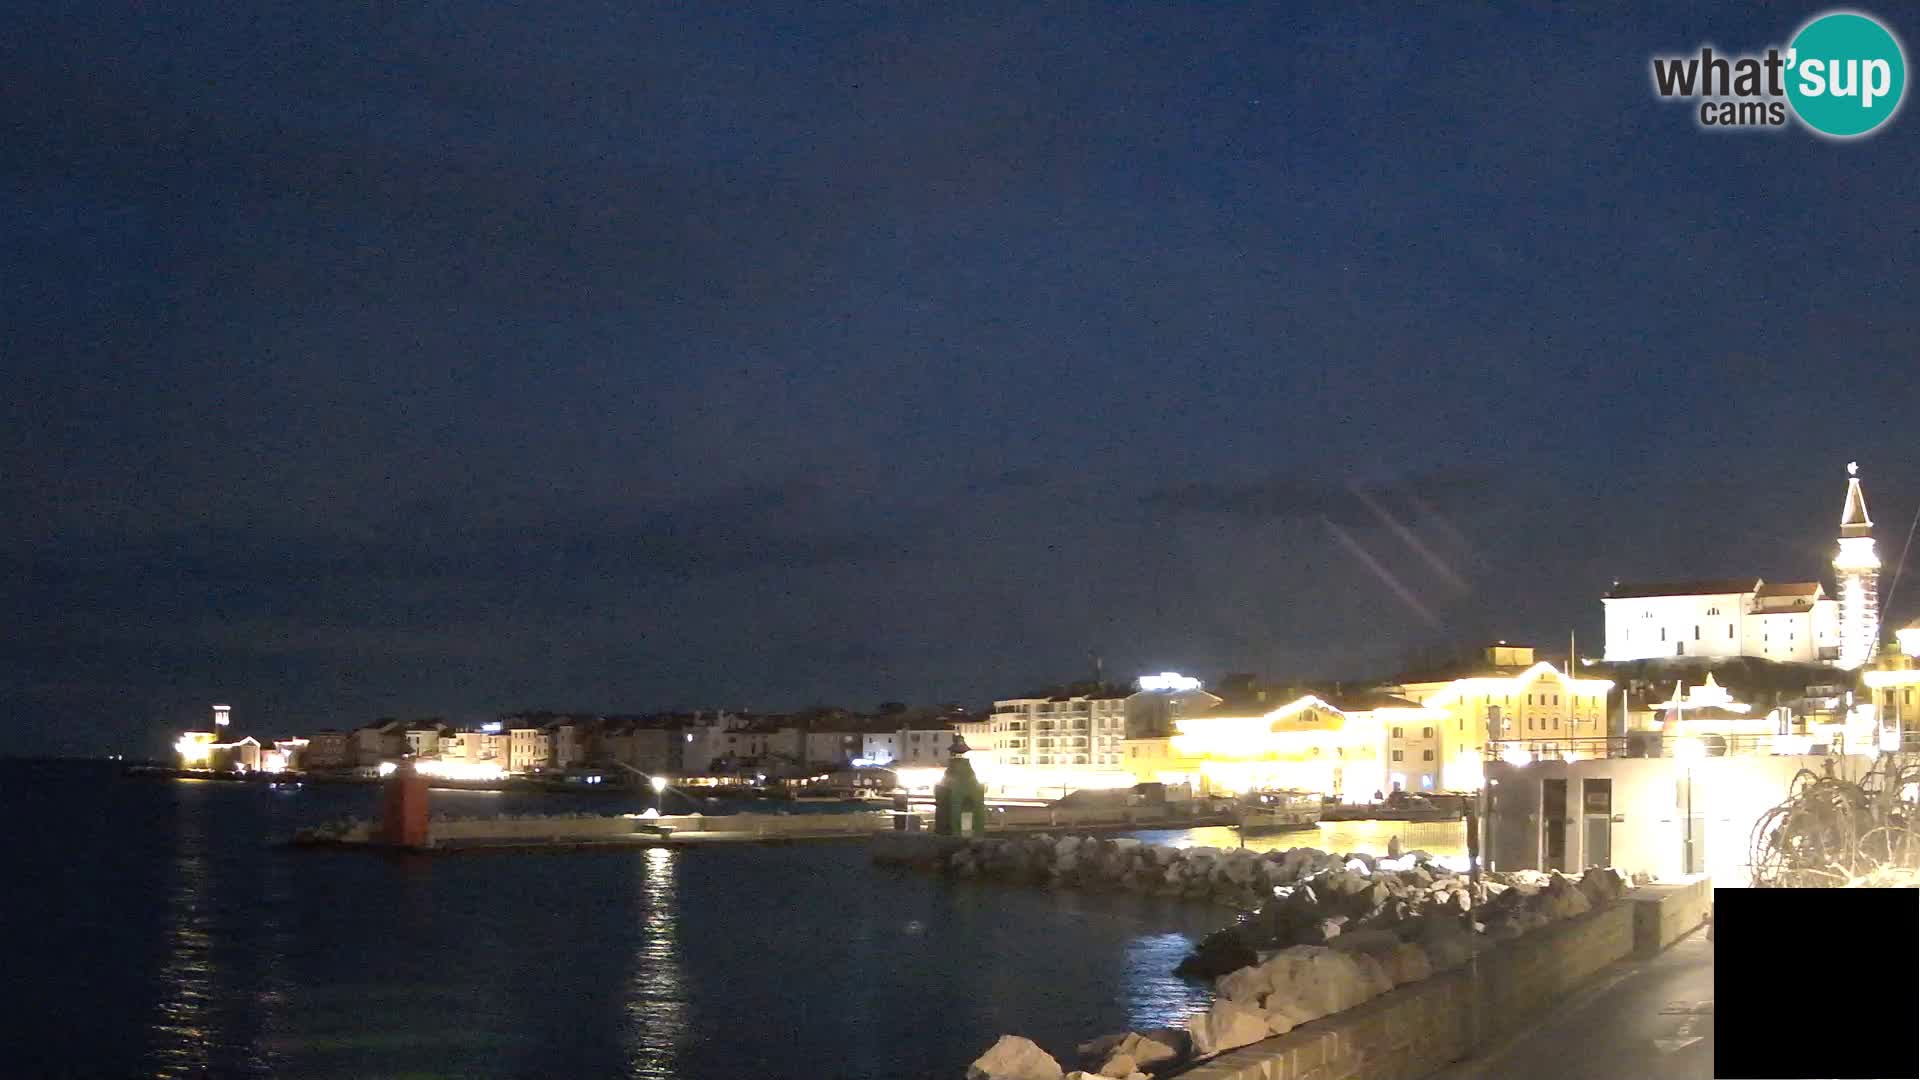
[838, 795]
[1276, 811]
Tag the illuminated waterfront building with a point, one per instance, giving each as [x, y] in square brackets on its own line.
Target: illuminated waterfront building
[1893, 687]
[1534, 707]
[528, 749]
[916, 745]
[382, 740]
[1081, 731]
[286, 755]
[1327, 744]
[1049, 745]
[217, 750]
[204, 750]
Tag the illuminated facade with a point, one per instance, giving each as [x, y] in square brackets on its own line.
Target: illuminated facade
[1856, 571]
[195, 749]
[912, 747]
[1791, 622]
[1539, 708]
[1909, 638]
[216, 750]
[1080, 732]
[1893, 686]
[1047, 746]
[528, 749]
[1307, 744]
[286, 755]
[1709, 710]
[204, 751]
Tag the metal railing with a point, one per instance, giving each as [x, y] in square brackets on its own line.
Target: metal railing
[1653, 744]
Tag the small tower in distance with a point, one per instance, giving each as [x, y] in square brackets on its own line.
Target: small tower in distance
[222, 716]
[1856, 573]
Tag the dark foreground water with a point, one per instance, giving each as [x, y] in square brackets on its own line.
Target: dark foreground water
[150, 930]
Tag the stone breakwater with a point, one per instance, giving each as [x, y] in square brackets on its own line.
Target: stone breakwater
[587, 830]
[1319, 933]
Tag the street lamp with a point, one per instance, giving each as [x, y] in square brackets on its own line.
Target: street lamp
[659, 788]
[1689, 750]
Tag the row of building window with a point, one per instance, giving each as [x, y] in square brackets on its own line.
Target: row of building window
[1425, 755]
[1545, 699]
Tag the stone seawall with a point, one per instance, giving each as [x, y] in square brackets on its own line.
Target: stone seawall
[1352, 966]
[1426, 1025]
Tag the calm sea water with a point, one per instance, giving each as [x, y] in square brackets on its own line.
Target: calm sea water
[152, 930]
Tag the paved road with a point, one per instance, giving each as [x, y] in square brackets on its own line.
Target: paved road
[1644, 1019]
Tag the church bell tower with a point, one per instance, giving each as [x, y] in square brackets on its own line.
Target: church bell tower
[1856, 577]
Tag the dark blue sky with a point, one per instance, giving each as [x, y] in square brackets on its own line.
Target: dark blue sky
[617, 356]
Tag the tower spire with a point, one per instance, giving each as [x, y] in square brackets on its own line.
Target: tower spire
[1853, 517]
[1856, 571]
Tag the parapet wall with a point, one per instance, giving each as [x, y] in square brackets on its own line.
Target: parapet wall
[1665, 913]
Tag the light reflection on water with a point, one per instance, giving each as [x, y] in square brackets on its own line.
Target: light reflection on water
[179, 1032]
[276, 989]
[656, 998]
[1440, 838]
[1154, 996]
[208, 952]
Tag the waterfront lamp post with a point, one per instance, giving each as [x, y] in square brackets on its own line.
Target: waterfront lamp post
[1687, 750]
[659, 792]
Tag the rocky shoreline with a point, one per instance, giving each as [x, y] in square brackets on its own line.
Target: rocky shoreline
[1319, 933]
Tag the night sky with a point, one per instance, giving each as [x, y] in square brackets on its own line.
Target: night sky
[363, 362]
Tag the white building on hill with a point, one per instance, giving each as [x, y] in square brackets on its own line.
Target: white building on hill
[1792, 622]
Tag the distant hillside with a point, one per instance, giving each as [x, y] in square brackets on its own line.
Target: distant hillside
[1748, 675]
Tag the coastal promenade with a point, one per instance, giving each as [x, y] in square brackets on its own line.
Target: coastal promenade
[1648, 1018]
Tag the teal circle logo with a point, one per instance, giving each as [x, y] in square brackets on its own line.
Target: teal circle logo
[1845, 74]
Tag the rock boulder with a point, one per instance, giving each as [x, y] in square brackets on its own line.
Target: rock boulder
[1224, 1027]
[1159, 1046]
[1219, 953]
[1014, 1058]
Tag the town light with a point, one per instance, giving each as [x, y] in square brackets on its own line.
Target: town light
[387, 768]
[1516, 756]
[457, 770]
[1793, 745]
[1167, 681]
[659, 784]
[919, 779]
[1689, 749]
